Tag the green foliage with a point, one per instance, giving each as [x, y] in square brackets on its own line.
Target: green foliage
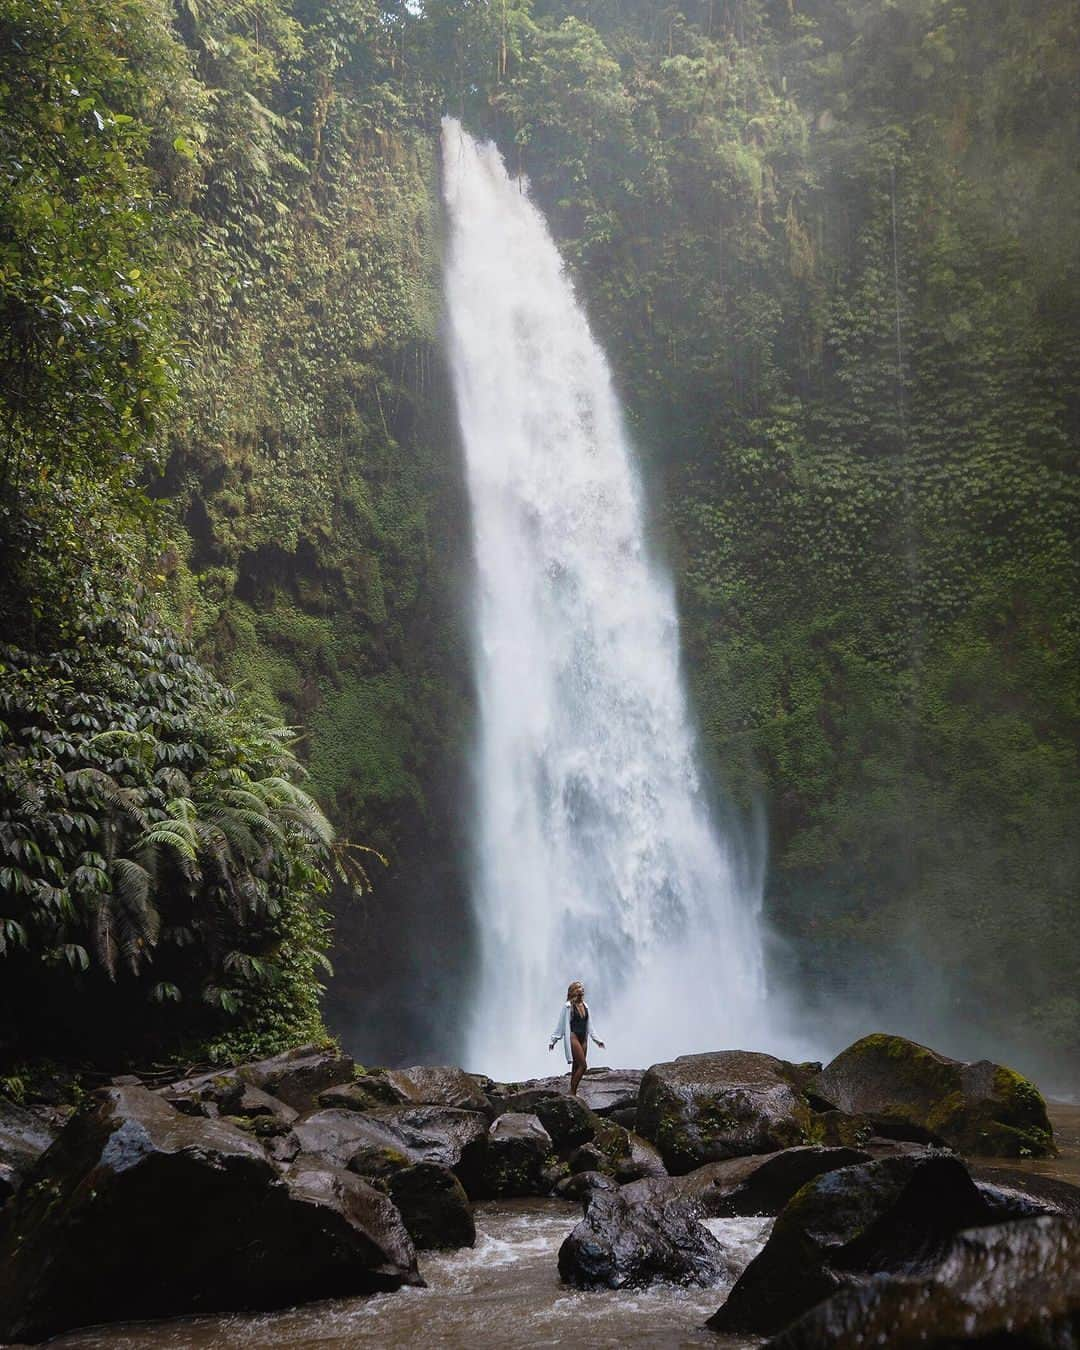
[155, 838]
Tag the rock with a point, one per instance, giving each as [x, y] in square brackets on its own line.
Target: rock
[644, 1160]
[1014, 1285]
[139, 1211]
[758, 1185]
[1014, 1194]
[620, 1245]
[436, 1134]
[298, 1076]
[378, 1164]
[433, 1206]
[24, 1137]
[567, 1119]
[601, 1090]
[438, 1086]
[582, 1185]
[254, 1104]
[366, 1093]
[586, 1158]
[206, 1094]
[978, 1109]
[703, 1108]
[517, 1150]
[893, 1214]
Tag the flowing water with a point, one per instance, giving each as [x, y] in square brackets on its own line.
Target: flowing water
[596, 856]
[504, 1292]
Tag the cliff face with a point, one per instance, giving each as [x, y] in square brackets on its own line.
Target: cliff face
[828, 251]
[829, 248]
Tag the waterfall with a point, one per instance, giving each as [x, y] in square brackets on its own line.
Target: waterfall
[595, 855]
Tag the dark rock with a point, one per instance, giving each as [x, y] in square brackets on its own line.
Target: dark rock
[1013, 1287]
[601, 1090]
[139, 1211]
[582, 1185]
[433, 1206]
[437, 1134]
[836, 1129]
[366, 1093]
[256, 1104]
[644, 1160]
[438, 1086]
[1014, 1194]
[298, 1076]
[619, 1245]
[892, 1214]
[703, 1108]
[517, 1150]
[567, 1119]
[379, 1164]
[762, 1184]
[206, 1094]
[979, 1108]
[586, 1158]
[24, 1137]
[626, 1116]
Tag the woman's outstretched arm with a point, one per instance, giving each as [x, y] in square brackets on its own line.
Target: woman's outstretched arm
[560, 1027]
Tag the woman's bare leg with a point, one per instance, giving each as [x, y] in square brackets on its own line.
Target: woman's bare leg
[578, 1071]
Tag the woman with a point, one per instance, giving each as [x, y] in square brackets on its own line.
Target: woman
[573, 1030]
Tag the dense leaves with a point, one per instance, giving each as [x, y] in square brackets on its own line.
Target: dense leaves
[155, 838]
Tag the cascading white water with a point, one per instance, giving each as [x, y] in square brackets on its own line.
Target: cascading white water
[596, 858]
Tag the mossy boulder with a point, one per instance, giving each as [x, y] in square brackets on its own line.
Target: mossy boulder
[704, 1108]
[434, 1206]
[298, 1076]
[518, 1150]
[979, 1108]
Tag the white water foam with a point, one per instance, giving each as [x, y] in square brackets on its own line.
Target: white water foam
[596, 857]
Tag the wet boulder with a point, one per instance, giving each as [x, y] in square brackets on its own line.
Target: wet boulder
[433, 1206]
[205, 1094]
[442, 1135]
[298, 1076]
[1026, 1194]
[979, 1108]
[517, 1152]
[758, 1185]
[601, 1090]
[703, 1108]
[140, 1211]
[583, 1185]
[24, 1137]
[568, 1121]
[260, 1113]
[367, 1092]
[892, 1214]
[438, 1086]
[622, 1245]
[1014, 1286]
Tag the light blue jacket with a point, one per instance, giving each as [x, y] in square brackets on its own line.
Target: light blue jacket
[562, 1031]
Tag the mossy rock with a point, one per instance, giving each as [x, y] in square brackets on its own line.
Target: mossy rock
[980, 1108]
[704, 1108]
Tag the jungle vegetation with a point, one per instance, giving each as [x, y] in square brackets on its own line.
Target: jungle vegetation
[830, 247]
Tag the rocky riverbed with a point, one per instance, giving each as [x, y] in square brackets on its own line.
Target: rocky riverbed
[733, 1190]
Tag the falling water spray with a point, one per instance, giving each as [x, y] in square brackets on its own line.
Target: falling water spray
[596, 857]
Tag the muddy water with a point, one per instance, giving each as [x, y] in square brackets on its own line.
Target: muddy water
[505, 1292]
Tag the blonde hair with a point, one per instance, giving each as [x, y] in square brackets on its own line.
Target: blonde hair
[576, 992]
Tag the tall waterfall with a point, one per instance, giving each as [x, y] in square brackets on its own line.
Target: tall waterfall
[596, 858]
